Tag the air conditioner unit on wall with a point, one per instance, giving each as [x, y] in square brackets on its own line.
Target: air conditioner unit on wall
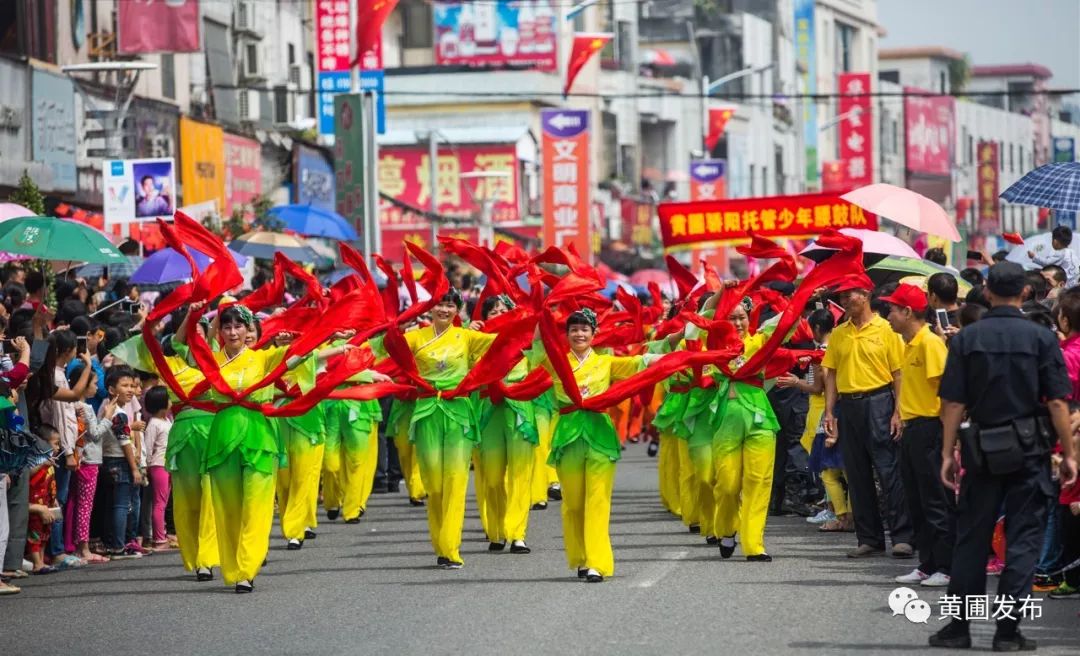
[249, 105]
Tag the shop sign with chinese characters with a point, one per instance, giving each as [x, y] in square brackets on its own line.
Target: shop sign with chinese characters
[405, 175]
[566, 178]
[696, 224]
[856, 129]
[989, 217]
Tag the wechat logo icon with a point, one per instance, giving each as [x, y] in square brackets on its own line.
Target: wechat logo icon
[904, 601]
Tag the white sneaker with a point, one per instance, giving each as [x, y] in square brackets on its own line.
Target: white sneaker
[916, 576]
[936, 580]
[825, 515]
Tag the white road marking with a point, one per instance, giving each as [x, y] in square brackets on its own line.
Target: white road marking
[671, 559]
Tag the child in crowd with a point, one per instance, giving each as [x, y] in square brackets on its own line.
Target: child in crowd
[42, 503]
[1061, 255]
[84, 484]
[121, 462]
[157, 439]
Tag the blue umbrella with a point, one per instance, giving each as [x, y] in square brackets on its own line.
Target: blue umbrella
[1056, 186]
[336, 275]
[167, 266]
[314, 222]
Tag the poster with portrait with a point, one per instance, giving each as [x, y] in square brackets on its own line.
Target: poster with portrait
[139, 189]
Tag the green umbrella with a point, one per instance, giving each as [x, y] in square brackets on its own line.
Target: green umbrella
[50, 238]
[895, 268]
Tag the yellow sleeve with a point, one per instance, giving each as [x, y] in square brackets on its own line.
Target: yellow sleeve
[625, 366]
[478, 343]
[829, 360]
[272, 357]
[412, 338]
[934, 354]
[896, 352]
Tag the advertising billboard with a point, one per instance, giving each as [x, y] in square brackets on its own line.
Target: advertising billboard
[496, 33]
[138, 189]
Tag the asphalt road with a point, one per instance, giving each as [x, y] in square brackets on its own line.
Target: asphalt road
[372, 588]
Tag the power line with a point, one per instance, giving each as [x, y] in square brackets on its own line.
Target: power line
[779, 97]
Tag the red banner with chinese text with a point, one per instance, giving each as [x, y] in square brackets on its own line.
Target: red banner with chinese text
[404, 174]
[696, 224]
[989, 214]
[928, 132]
[856, 129]
[565, 154]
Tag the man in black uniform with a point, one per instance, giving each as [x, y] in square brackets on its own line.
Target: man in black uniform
[1008, 373]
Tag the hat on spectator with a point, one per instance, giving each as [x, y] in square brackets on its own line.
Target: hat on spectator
[908, 296]
[1006, 279]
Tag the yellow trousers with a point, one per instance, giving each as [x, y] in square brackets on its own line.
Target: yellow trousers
[443, 451]
[701, 461]
[506, 463]
[298, 485]
[830, 478]
[349, 470]
[689, 493]
[668, 472]
[193, 512]
[543, 474]
[743, 457]
[587, 478]
[410, 468]
[243, 514]
[833, 479]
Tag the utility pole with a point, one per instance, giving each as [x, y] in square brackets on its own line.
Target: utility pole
[433, 170]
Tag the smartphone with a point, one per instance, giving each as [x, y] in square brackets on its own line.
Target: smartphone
[974, 255]
[942, 318]
[80, 343]
[131, 307]
[818, 305]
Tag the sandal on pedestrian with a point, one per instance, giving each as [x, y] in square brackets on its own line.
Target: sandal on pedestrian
[7, 589]
[95, 559]
[832, 526]
[47, 569]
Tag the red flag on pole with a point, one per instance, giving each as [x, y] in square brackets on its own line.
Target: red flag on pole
[718, 118]
[370, 16]
[585, 46]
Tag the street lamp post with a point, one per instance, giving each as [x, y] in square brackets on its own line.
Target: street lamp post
[708, 88]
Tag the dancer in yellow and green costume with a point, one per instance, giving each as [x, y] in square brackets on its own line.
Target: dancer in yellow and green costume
[508, 439]
[352, 450]
[244, 451]
[304, 439]
[545, 481]
[398, 425]
[584, 450]
[744, 450]
[193, 508]
[444, 431]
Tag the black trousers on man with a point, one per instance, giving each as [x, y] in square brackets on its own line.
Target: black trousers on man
[982, 496]
[931, 504]
[866, 446]
[790, 407]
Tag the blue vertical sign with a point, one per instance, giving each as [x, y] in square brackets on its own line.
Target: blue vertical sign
[806, 53]
[332, 83]
[1065, 151]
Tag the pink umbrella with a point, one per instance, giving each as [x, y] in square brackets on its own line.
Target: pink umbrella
[13, 211]
[905, 207]
[876, 246]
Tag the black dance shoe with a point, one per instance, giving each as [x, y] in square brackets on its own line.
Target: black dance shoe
[309, 534]
[496, 546]
[759, 558]
[519, 547]
[333, 513]
[244, 587]
[726, 551]
[540, 505]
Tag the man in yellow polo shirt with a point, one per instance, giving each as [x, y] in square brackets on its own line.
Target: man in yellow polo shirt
[932, 507]
[861, 387]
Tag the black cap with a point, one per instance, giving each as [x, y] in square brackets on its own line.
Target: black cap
[784, 287]
[1006, 279]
